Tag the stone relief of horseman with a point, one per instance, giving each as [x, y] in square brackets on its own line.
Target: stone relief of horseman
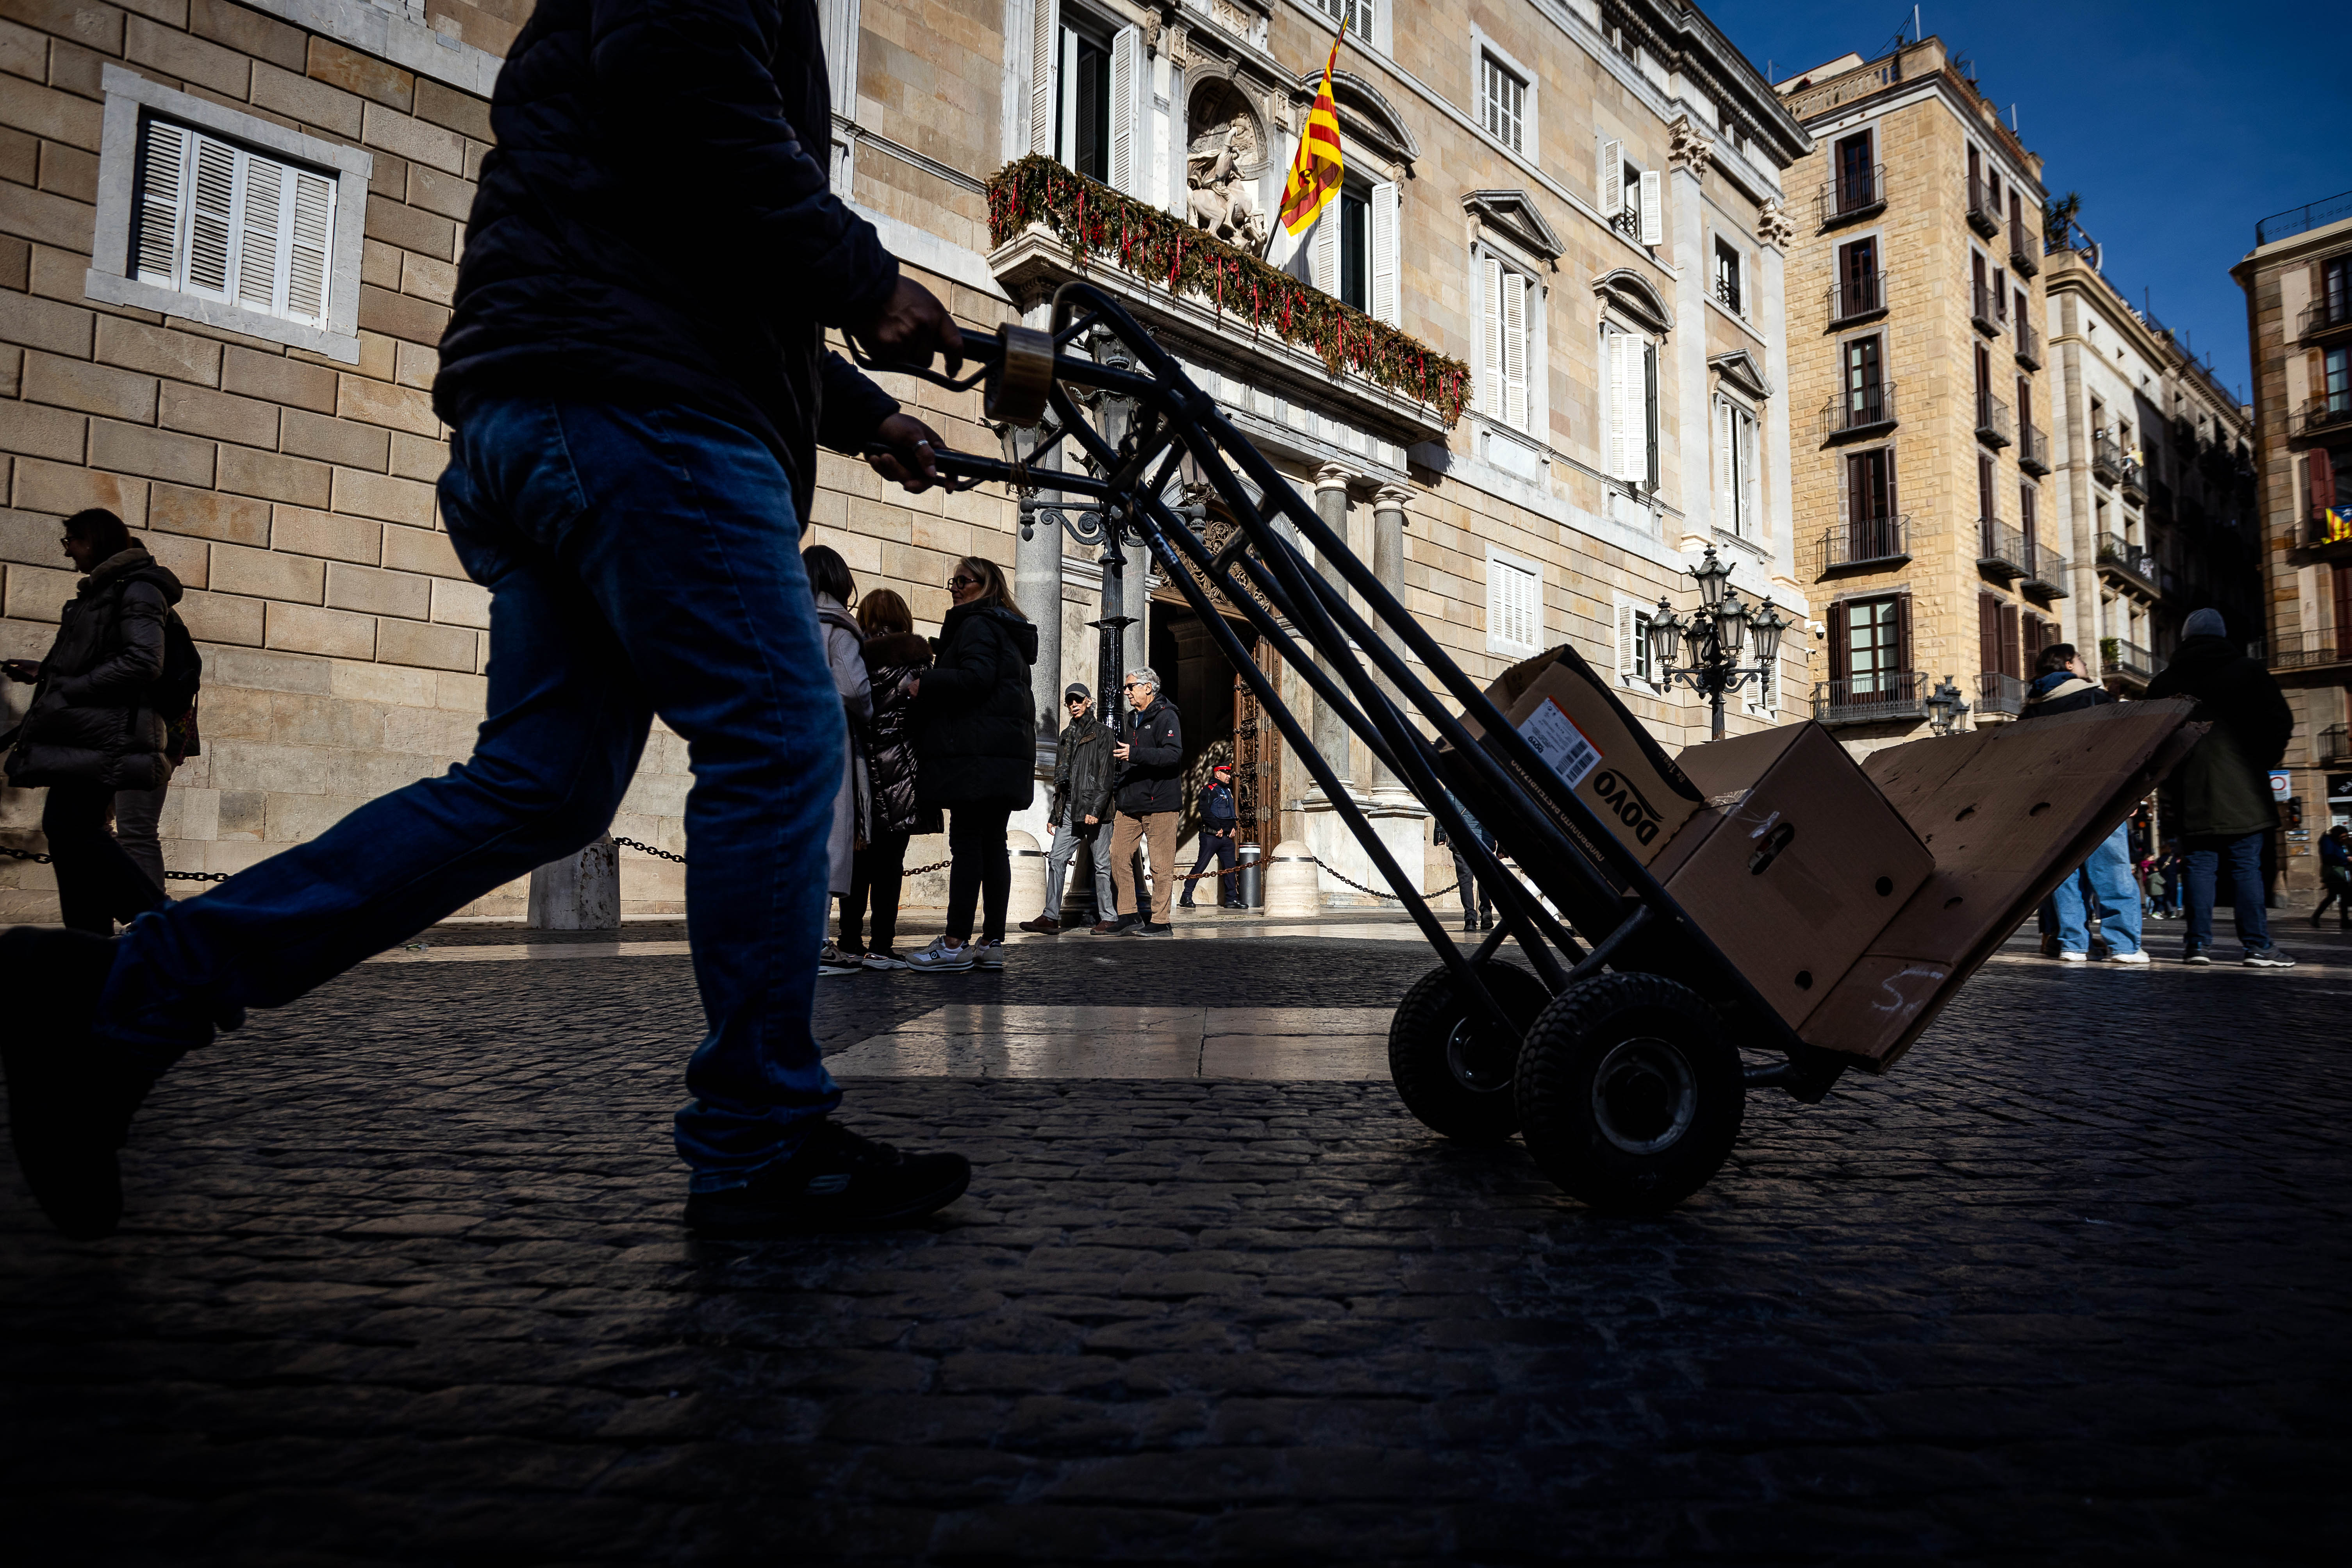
[1226, 154]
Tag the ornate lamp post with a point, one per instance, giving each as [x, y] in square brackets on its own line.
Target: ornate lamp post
[1714, 634]
[1945, 708]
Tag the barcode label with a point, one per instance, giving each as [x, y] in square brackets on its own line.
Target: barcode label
[1560, 742]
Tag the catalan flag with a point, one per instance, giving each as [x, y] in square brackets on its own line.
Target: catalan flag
[1315, 173]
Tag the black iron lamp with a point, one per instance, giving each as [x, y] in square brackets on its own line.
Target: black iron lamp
[1945, 708]
[1713, 637]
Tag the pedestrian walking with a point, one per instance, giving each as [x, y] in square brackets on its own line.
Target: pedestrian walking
[2168, 874]
[1477, 902]
[94, 730]
[895, 656]
[845, 654]
[139, 813]
[1079, 812]
[2336, 875]
[2222, 788]
[1151, 754]
[2103, 885]
[976, 746]
[1219, 819]
[636, 382]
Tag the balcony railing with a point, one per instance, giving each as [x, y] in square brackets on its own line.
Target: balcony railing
[2024, 252]
[2129, 659]
[2045, 574]
[1993, 425]
[1864, 409]
[1981, 216]
[2332, 525]
[2301, 650]
[2325, 316]
[2033, 449]
[1628, 221]
[2001, 551]
[2110, 462]
[1871, 698]
[1854, 195]
[2303, 219]
[1850, 302]
[1726, 294]
[1984, 308]
[2333, 749]
[2029, 344]
[1998, 693]
[2118, 554]
[2324, 415]
[1867, 543]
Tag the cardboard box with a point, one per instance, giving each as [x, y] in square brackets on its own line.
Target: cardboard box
[1598, 751]
[1794, 865]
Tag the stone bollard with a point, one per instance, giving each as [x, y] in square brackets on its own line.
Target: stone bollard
[1028, 894]
[580, 892]
[1290, 886]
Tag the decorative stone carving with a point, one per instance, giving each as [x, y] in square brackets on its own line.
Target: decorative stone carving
[1392, 498]
[1153, 24]
[1226, 154]
[1773, 225]
[1690, 151]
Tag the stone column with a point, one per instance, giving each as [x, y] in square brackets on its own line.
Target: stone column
[1331, 735]
[579, 892]
[1694, 437]
[1388, 565]
[1774, 231]
[1037, 583]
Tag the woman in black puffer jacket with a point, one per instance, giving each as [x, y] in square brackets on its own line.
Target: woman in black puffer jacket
[894, 659]
[976, 747]
[91, 730]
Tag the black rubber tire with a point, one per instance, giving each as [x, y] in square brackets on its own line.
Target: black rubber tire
[1421, 1063]
[1659, 1131]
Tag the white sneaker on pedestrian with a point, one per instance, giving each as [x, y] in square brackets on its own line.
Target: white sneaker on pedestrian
[986, 954]
[940, 958]
[2136, 955]
[2065, 957]
[884, 960]
[831, 960]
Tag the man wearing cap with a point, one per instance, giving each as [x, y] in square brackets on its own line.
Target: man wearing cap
[1080, 811]
[1217, 820]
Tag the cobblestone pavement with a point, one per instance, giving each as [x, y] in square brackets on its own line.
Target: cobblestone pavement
[403, 1283]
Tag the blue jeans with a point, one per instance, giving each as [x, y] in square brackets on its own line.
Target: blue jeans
[639, 561]
[2242, 859]
[2104, 880]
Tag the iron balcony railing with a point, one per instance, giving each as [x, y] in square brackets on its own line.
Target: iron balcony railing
[1984, 308]
[2046, 573]
[2000, 550]
[2024, 252]
[1983, 217]
[2306, 651]
[2334, 747]
[1870, 407]
[1855, 299]
[1993, 425]
[1855, 194]
[1726, 294]
[2324, 315]
[1871, 698]
[2117, 657]
[2110, 462]
[1998, 693]
[2033, 449]
[2324, 415]
[2301, 220]
[2117, 554]
[1867, 541]
[1628, 221]
[2029, 344]
[2330, 525]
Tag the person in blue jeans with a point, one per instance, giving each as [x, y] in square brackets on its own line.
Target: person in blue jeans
[2103, 885]
[636, 378]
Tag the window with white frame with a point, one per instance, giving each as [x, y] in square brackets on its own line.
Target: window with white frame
[1515, 620]
[1502, 101]
[1089, 87]
[1635, 665]
[1629, 411]
[1737, 485]
[1511, 351]
[1632, 199]
[1353, 16]
[1352, 251]
[1728, 292]
[212, 215]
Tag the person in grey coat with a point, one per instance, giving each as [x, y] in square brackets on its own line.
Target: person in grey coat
[845, 652]
[92, 728]
[1079, 812]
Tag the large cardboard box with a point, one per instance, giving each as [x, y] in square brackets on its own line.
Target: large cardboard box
[1597, 750]
[1795, 863]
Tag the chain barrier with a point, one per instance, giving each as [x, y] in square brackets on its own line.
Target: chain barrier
[1377, 893]
[171, 876]
[680, 859]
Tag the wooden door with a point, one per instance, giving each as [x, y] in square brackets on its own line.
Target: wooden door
[1257, 756]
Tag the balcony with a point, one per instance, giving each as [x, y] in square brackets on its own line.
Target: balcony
[1628, 221]
[1866, 544]
[1983, 217]
[1726, 294]
[2001, 551]
[2324, 416]
[1998, 693]
[1994, 427]
[2126, 661]
[1871, 698]
[2111, 463]
[2333, 749]
[2025, 253]
[1984, 308]
[2029, 345]
[1855, 196]
[2326, 537]
[2046, 573]
[1857, 300]
[2325, 320]
[1861, 412]
[2129, 567]
[2033, 449]
[2310, 659]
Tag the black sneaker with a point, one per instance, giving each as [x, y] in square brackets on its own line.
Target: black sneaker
[837, 1181]
[1115, 925]
[1149, 928]
[67, 1110]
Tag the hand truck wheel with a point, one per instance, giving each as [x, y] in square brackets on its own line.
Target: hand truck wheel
[1449, 1068]
[1628, 1093]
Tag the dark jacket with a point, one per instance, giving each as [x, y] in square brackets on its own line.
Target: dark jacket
[891, 662]
[1152, 777]
[1082, 774]
[90, 722]
[1217, 813]
[978, 738]
[2222, 789]
[656, 226]
[2062, 691]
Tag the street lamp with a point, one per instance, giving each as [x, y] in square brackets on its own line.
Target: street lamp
[1713, 636]
[1945, 708]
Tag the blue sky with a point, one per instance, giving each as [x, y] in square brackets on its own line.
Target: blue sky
[2180, 125]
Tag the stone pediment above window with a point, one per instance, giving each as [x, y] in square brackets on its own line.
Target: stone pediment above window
[1512, 215]
[1634, 295]
[1740, 371]
[1366, 116]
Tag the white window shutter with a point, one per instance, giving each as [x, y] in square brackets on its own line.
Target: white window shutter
[1384, 253]
[1325, 241]
[1044, 48]
[1612, 178]
[1515, 351]
[1727, 468]
[211, 217]
[1490, 363]
[1752, 514]
[1628, 427]
[162, 191]
[1127, 142]
[306, 263]
[1653, 215]
[1627, 632]
[261, 215]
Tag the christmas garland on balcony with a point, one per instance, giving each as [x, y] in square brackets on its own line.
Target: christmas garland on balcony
[1094, 220]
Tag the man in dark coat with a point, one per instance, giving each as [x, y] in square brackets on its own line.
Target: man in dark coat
[2220, 795]
[635, 375]
[1150, 753]
[1079, 812]
[2102, 883]
[1218, 821]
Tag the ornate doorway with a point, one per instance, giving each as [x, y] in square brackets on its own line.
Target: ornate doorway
[1257, 756]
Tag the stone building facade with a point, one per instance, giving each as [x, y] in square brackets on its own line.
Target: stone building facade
[2298, 285]
[1932, 552]
[1594, 190]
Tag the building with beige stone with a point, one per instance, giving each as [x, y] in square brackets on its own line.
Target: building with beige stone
[2298, 285]
[1582, 203]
